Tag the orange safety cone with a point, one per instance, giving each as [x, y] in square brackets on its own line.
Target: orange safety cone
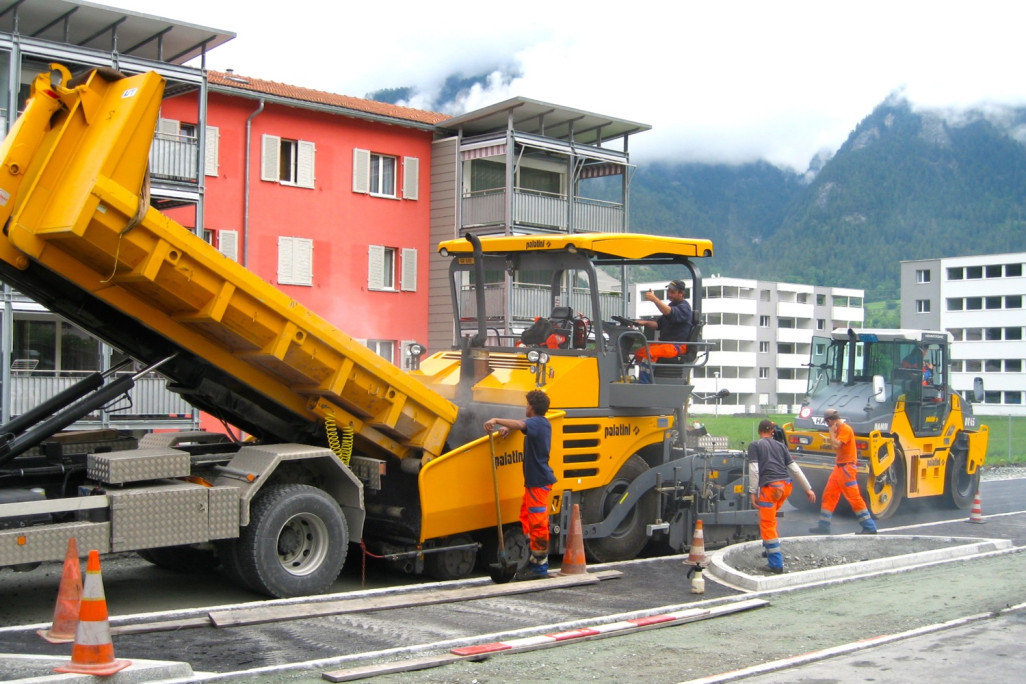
[976, 513]
[573, 558]
[93, 651]
[696, 555]
[69, 596]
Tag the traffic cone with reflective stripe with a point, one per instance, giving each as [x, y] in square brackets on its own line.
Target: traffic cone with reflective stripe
[93, 651]
[69, 596]
[696, 555]
[976, 512]
[573, 558]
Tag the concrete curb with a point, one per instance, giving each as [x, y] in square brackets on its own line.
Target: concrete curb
[721, 569]
[34, 669]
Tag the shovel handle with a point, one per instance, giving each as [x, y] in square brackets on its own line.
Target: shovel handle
[495, 484]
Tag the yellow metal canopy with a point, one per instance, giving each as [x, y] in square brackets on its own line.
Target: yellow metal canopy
[616, 245]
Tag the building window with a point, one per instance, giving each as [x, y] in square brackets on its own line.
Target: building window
[785, 348]
[955, 274]
[381, 267]
[1013, 302]
[992, 366]
[956, 366]
[973, 272]
[383, 348]
[763, 372]
[786, 374]
[956, 334]
[820, 299]
[955, 304]
[786, 323]
[922, 306]
[1013, 365]
[922, 275]
[764, 347]
[1013, 333]
[992, 302]
[992, 397]
[1013, 270]
[764, 295]
[992, 334]
[973, 303]
[973, 366]
[993, 271]
[820, 324]
[289, 162]
[295, 261]
[378, 175]
[382, 175]
[764, 321]
[1013, 397]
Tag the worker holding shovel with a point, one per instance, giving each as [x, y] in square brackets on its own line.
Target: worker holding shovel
[538, 476]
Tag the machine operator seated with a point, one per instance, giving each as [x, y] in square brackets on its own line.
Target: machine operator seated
[674, 324]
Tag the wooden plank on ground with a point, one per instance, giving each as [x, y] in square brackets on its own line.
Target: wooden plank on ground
[308, 609]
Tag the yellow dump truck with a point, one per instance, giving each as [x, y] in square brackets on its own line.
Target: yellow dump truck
[342, 446]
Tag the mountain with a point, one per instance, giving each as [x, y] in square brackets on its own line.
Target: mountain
[905, 185]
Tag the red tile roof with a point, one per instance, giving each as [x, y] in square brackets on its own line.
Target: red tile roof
[256, 85]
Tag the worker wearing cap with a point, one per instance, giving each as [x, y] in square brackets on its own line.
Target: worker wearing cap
[674, 324]
[770, 469]
[843, 478]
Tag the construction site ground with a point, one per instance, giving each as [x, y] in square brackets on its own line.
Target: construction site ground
[796, 619]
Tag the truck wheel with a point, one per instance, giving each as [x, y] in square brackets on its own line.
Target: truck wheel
[627, 540]
[886, 492]
[181, 558]
[961, 486]
[296, 541]
[451, 565]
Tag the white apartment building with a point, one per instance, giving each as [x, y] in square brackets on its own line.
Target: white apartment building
[762, 332]
[979, 300]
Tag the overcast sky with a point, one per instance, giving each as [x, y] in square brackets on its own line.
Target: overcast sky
[718, 81]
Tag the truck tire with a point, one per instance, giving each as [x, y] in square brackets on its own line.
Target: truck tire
[181, 558]
[961, 487]
[630, 536]
[451, 565]
[295, 544]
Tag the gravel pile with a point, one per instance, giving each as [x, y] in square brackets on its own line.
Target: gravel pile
[810, 553]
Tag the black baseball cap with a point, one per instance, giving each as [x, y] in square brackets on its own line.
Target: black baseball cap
[678, 285]
[766, 425]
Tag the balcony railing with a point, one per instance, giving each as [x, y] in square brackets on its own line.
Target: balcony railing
[149, 403]
[543, 210]
[173, 157]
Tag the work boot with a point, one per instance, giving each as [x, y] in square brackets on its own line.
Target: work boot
[772, 570]
[866, 531]
[819, 529]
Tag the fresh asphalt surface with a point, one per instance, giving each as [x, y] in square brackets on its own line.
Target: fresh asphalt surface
[644, 585]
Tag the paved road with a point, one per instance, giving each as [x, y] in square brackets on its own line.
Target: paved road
[648, 585]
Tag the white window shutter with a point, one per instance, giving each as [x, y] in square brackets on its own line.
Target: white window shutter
[361, 171]
[411, 178]
[375, 267]
[305, 168]
[228, 243]
[302, 261]
[270, 148]
[408, 276]
[404, 358]
[210, 143]
[295, 261]
[168, 126]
